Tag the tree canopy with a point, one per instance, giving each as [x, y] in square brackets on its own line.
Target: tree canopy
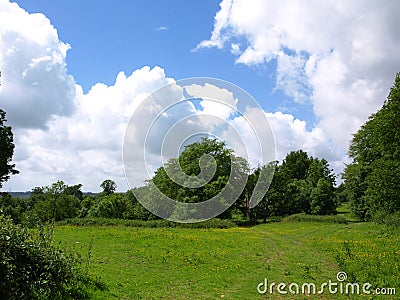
[6, 150]
[373, 178]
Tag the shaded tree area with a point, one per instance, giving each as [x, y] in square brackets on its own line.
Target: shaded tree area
[300, 184]
[372, 180]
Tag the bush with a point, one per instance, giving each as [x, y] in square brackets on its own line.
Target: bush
[31, 267]
[391, 220]
[314, 218]
[212, 223]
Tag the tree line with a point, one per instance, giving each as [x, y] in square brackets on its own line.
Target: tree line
[301, 183]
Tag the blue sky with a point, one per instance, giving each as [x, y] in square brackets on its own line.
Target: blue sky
[108, 37]
[73, 74]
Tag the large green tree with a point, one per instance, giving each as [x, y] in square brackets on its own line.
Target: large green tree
[373, 178]
[6, 150]
[300, 184]
[200, 172]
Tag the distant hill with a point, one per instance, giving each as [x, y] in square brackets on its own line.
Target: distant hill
[20, 194]
[24, 195]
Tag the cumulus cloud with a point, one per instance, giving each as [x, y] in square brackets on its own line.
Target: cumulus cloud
[34, 73]
[339, 56]
[85, 147]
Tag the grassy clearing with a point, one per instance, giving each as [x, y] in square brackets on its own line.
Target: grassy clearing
[183, 263]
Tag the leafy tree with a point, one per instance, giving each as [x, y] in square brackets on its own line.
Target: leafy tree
[117, 206]
[52, 203]
[322, 198]
[6, 150]
[372, 179]
[75, 190]
[216, 171]
[108, 186]
[297, 187]
[296, 164]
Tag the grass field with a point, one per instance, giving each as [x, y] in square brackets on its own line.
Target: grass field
[182, 263]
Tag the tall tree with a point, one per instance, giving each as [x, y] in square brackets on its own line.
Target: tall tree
[373, 178]
[200, 173]
[6, 150]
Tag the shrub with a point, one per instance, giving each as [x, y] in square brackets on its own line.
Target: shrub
[313, 218]
[391, 220]
[32, 267]
[212, 223]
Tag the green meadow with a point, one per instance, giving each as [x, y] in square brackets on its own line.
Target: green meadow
[185, 263]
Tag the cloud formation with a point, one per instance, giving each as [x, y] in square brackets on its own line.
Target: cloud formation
[34, 73]
[340, 56]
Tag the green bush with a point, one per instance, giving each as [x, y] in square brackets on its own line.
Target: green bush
[212, 223]
[391, 220]
[313, 218]
[32, 267]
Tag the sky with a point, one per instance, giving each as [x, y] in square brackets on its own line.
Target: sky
[73, 73]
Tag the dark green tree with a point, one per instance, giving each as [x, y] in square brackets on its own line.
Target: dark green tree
[322, 198]
[294, 182]
[52, 203]
[108, 186]
[6, 150]
[373, 178]
[207, 163]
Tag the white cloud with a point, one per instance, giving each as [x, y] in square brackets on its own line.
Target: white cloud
[215, 101]
[162, 28]
[340, 56]
[34, 74]
[326, 56]
[85, 147]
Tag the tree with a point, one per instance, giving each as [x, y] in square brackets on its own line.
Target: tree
[53, 203]
[322, 198]
[6, 150]
[296, 164]
[108, 187]
[372, 179]
[297, 187]
[200, 173]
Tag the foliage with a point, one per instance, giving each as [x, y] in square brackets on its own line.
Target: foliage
[313, 218]
[13, 207]
[217, 164]
[6, 150]
[372, 179]
[300, 184]
[212, 223]
[32, 267]
[108, 186]
[53, 203]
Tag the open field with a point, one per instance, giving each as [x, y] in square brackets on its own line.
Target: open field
[181, 263]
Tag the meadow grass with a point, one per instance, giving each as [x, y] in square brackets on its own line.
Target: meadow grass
[185, 263]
